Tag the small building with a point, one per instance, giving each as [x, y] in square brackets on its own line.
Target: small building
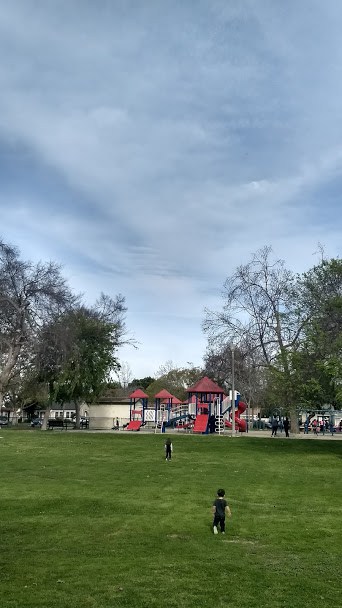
[104, 413]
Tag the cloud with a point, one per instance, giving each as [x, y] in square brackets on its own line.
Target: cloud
[153, 148]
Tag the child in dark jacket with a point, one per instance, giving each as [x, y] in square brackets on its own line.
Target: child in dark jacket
[168, 449]
[220, 509]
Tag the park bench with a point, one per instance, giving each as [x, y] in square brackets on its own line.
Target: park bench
[56, 424]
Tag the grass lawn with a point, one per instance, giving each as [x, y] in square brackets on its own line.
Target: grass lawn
[99, 520]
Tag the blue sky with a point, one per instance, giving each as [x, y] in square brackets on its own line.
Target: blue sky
[151, 147]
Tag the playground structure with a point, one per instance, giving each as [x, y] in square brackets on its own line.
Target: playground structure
[138, 399]
[167, 410]
[240, 408]
[207, 409]
[214, 408]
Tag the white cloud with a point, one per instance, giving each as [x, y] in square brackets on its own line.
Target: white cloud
[167, 146]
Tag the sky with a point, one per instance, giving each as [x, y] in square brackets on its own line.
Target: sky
[150, 147]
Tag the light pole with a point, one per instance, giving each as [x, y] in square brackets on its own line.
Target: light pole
[249, 401]
[233, 393]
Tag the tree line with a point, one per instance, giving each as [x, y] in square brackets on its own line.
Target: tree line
[53, 348]
[285, 329]
[286, 333]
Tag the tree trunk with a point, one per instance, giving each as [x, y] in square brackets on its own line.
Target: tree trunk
[294, 419]
[78, 414]
[46, 418]
[5, 375]
[14, 418]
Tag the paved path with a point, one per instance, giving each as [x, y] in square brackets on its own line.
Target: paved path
[258, 434]
[309, 436]
[266, 434]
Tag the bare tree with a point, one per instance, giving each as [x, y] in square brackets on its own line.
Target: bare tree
[249, 377]
[165, 368]
[30, 295]
[124, 374]
[261, 315]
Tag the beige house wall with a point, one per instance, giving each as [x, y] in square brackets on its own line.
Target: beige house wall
[104, 415]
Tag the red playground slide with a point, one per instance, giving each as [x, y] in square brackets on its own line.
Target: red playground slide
[239, 422]
[134, 425]
[201, 423]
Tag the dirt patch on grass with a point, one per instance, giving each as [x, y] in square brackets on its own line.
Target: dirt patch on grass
[179, 536]
[240, 541]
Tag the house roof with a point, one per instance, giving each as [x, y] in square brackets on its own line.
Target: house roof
[111, 401]
[138, 394]
[205, 385]
[164, 394]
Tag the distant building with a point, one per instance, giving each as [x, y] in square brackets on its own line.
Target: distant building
[106, 410]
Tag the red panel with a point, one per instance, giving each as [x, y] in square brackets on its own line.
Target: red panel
[201, 423]
[134, 425]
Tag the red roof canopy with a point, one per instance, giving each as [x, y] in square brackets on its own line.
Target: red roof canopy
[175, 400]
[164, 394]
[138, 394]
[205, 385]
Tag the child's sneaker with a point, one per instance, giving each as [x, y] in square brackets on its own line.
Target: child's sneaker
[223, 532]
[215, 530]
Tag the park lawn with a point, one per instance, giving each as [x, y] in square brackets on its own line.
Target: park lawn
[102, 520]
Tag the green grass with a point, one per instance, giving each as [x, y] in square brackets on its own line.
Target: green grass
[101, 520]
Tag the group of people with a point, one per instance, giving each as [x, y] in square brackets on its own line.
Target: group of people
[319, 425]
[281, 424]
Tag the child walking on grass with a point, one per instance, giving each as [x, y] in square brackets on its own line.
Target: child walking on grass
[220, 509]
[168, 449]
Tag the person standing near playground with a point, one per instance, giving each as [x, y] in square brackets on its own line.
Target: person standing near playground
[286, 427]
[274, 426]
[168, 449]
[220, 509]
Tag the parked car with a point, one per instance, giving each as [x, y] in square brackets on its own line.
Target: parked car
[36, 422]
[3, 420]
